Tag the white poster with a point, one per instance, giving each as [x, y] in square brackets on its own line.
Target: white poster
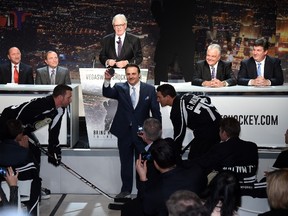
[99, 110]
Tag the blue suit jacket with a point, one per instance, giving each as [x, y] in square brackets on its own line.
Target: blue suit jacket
[25, 73]
[131, 49]
[127, 119]
[272, 71]
[43, 76]
[203, 73]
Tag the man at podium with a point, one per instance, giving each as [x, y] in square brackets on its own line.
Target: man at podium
[120, 47]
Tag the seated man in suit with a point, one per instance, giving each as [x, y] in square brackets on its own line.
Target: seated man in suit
[260, 69]
[120, 47]
[52, 73]
[213, 72]
[15, 71]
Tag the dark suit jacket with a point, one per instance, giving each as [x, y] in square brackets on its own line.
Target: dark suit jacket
[272, 71]
[12, 154]
[203, 73]
[43, 76]
[127, 119]
[275, 212]
[25, 73]
[131, 49]
[154, 197]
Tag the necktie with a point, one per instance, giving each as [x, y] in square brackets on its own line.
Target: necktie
[53, 77]
[133, 96]
[259, 69]
[119, 46]
[16, 74]
[212, 73]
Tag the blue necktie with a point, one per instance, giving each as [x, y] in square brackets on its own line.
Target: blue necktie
[259, 69]
[133, 97]
[213, 73]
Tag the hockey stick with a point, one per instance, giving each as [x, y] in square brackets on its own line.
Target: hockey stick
[44, 151]
[71, 170]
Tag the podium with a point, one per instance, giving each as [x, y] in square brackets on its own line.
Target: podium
[14, 94]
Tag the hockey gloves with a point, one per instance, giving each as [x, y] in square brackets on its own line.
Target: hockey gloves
[54, 155]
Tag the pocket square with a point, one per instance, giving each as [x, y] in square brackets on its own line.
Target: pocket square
[147, 98]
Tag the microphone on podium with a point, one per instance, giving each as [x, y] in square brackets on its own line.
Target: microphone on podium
[93, 61]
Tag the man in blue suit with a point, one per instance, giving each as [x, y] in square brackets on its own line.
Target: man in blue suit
[260, 69]
[7, 74]
[128, 118]
[120, 47]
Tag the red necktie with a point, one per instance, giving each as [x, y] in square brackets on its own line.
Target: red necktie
[16, 74]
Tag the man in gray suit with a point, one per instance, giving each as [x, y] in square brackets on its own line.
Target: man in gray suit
[52, 73]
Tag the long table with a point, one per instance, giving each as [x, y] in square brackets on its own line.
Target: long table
[13, 94]
[262, 111]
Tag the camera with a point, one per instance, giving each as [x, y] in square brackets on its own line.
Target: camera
[111, 71]
[3, 171]
[146, 156]
[140, 130]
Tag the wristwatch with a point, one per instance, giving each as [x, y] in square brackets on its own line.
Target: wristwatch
[225, 84]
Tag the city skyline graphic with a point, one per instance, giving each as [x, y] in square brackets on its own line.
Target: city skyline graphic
[74, 29]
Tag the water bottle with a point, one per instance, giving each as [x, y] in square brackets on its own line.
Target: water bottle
[3, 171]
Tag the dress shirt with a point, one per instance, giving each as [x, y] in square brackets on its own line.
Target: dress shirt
[147, 147]
[262, 70]
[50, 71]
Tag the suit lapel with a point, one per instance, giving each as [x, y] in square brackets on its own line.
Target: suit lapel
[142, 93]
[9, 79]
[207, 71]
[127, 93]
[112, 45]
[220, 69]
[267, 67]
[252, 68]
[57, 77]
[47, 76]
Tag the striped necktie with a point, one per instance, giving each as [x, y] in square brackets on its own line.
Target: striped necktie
[53, 77]
[213, 73]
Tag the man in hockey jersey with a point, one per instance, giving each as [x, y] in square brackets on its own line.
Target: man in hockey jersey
[237, 155]
[37, 113]
[194, 112]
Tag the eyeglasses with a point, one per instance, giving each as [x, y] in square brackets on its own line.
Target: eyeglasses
[119, 25]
